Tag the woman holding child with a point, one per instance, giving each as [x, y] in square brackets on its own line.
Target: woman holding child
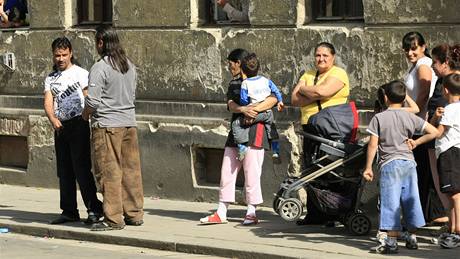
[254, 157]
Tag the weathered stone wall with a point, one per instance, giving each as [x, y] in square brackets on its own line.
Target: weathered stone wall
[183, 75]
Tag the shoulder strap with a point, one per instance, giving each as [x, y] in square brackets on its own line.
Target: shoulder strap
[318, 102]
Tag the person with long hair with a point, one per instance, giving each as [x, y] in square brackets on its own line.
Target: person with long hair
[65, 89]
[110, 103]
[420, 81]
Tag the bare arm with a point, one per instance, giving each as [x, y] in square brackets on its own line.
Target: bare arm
[297, 99]
[424, 78]
[412, 105]
[3, 14]
[328, 88]
[368, 174]
[49, 110]
[431, 133]
[251, 111]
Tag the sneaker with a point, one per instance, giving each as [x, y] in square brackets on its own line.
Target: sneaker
[451, 241]
[386, 248]
[212, 219]
[104, 226]
[411, 242]
[381, 236]
[92, 218]
[242, 150]
[437, 240]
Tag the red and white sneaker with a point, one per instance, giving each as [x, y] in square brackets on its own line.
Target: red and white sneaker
[250, 220]
[212, 219]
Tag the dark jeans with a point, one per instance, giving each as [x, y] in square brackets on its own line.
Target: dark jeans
[73, 157]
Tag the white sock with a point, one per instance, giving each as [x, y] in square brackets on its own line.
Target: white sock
[222, 210]
[251, 210]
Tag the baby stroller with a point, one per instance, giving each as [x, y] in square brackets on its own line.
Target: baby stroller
[333, 180]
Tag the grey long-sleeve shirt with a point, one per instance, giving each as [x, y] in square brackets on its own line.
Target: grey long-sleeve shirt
[111, 94]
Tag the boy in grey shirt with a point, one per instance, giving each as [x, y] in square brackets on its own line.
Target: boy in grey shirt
[391, 132]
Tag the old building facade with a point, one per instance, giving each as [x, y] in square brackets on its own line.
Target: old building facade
[181, 59]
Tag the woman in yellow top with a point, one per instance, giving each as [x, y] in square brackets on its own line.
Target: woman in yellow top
[327, 85]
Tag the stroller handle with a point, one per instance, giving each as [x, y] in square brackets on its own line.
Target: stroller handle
[329, 142]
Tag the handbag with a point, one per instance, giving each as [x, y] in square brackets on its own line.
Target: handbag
[337, 122]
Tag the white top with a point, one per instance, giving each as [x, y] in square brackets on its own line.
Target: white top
[413, 84]
[451, 137]
[67, 90]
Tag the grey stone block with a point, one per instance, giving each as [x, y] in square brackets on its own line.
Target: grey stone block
[148, 13]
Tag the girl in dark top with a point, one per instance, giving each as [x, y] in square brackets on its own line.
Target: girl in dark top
[252, 162]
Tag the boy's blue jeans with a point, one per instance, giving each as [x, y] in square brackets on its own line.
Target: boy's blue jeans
[398, 188]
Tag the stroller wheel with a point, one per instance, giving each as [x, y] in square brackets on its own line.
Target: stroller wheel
[290, 209]
[359, 224]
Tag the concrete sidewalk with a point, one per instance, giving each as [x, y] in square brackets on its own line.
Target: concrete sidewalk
[173, 225]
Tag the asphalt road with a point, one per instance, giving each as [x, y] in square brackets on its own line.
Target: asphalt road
[15, 246]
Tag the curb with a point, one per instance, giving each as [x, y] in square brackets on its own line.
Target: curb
[137, 242]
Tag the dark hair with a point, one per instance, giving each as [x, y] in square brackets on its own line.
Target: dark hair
[326, 45]
[395, 91]
[452, 83]
[454, 57]
[250, 65]
[413, 39]
[111, 48]
[62, 43]
[450, 54]
[237, 55]
[441, 52]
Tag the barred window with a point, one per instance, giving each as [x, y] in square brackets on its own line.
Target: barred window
[337, 10]
[94, 11]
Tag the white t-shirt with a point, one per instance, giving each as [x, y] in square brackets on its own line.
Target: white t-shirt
[413, 84]
[451, 137]
[67, 90]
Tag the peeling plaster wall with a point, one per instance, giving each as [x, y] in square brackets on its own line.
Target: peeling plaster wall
[183, 76]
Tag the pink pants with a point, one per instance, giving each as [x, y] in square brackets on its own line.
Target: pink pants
[252, 166]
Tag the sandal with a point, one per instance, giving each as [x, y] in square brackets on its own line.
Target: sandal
[212, 219]
[250, 220]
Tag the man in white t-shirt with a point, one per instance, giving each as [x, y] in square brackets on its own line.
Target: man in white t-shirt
[65, 90]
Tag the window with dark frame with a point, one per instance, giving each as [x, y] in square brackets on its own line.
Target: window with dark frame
[212, 14]
[94, 12]
[337, 10]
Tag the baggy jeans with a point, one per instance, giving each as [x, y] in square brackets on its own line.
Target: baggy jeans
[118, 171]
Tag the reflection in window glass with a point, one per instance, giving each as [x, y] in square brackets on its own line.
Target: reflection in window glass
[337, 10]
[229, 11]
[94, 11]
[13, 13]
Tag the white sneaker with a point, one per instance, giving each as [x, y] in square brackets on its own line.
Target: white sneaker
[450, 241]
[380, 237]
